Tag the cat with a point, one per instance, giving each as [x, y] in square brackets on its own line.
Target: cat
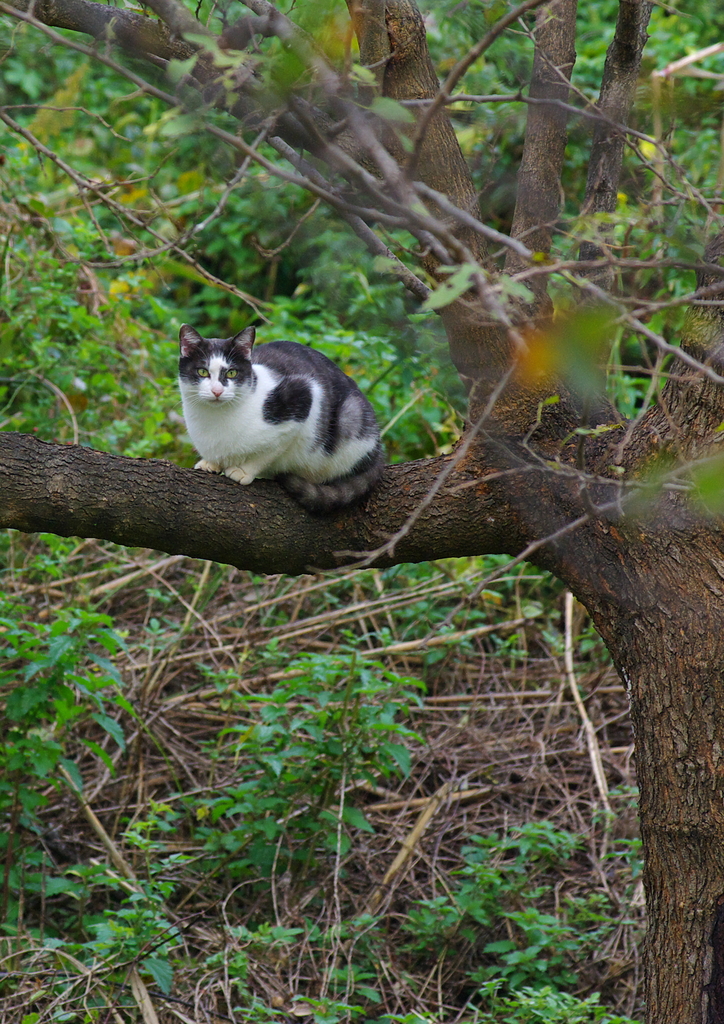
[286, 412]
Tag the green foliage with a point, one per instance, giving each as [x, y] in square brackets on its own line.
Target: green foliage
[334, 722]
[543, 1006]
[57, 678]
[49, 689]
[293, 764]
[498, 872]
[136, 932]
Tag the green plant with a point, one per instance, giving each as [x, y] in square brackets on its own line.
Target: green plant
[331, 723]
[136, 933]
[498, 873]
[52, 675]
[544, 1005]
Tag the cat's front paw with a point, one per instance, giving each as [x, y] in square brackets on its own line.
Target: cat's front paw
[239, 474]
[208, 467]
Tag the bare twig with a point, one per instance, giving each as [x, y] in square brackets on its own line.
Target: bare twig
[594, 750]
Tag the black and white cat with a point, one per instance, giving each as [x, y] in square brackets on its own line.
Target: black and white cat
[287, 412]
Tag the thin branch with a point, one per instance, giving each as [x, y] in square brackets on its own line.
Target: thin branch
[625, 317]
[590, 110]
[374, 244]
[472, 222]
[594, 751]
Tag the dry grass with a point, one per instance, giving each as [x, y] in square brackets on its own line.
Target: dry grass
[504, 744]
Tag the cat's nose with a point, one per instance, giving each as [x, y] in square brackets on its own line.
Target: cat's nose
[217, 390]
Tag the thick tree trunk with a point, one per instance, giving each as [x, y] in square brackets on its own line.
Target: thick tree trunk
[655, 591]
[671, 654]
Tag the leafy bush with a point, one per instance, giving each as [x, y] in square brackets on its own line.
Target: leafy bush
[332, 724]
[544, 1006]
[498, 873]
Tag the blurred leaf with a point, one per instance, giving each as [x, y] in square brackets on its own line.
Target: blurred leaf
[74, 771]
[112, 727]
[708, 479]
[354, 817]
[457, 284]
[390, 110]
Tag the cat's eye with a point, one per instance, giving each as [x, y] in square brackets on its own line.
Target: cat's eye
[232, 373]
[203, 372]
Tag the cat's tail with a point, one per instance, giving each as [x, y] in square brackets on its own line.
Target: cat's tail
[336, 494]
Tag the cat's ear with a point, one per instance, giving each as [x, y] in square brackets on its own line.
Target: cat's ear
[189, 339]
[244, 341]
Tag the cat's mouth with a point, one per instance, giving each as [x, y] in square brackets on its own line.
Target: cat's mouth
[213, 399]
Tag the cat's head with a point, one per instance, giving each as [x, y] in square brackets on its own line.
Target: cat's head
[214, 369]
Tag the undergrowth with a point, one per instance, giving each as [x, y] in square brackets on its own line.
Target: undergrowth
[245, 798]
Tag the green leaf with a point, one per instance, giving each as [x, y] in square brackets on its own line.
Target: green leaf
[354, 817]
[161, 972]
[503, 946]
[182, 124]
[112, 727]
[125, 705]
[369, 993]
[359, 73]
[458, 283]
[708, 479]
[178, 69]
[391, 110]
[8, 333]
[74, 771]
[108, 667]
[100, 752]
[400, 755]
[23, 699]
[512, 289]
[58, 886]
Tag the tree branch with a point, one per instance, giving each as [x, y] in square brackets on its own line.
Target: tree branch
[76, 491]
[618, 91]
[539, 176]
[133, 32]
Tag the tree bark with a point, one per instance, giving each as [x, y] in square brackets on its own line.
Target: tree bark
[76, 491]
[618, 90]
[664, 624]
[539, 176]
